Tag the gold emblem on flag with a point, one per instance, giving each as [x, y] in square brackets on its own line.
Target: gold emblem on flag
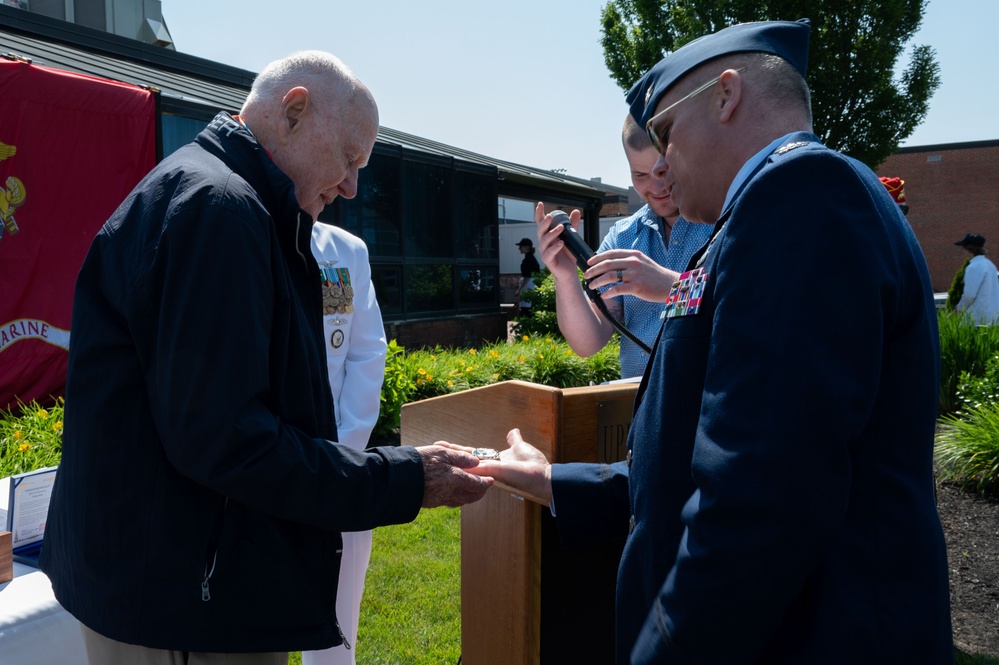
[12, 195]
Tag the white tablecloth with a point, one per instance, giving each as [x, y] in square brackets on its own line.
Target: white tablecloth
[34, 628]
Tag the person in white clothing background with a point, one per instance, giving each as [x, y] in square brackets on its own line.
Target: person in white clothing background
[355, 353]
[980, 297]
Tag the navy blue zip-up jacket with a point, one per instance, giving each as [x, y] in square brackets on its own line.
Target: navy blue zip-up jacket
[199, 502]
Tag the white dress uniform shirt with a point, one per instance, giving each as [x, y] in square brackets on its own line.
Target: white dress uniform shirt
[355, 352]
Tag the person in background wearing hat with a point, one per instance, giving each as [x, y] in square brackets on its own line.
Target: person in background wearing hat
[980, 295]
[896, 187]
[778, 496]
[528, 266]
[637, 262]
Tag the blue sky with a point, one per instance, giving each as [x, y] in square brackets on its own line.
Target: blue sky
[525, 80]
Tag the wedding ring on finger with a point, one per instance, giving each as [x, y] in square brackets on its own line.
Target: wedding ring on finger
[620, 276]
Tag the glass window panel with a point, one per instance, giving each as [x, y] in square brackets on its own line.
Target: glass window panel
[478, 285]
[475, 215]
[427, 210]
[515, 211]
[373, 215]
[429, 287]
[387, 280]
[179, 131]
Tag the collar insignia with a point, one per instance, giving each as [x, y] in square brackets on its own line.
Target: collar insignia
[789, 147]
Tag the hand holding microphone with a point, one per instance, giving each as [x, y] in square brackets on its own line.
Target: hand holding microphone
[579, 249]
[582, 253]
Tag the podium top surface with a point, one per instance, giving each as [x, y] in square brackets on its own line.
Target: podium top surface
[566, 424]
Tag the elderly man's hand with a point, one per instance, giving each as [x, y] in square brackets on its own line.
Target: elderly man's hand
[521, 466]
[444, 481]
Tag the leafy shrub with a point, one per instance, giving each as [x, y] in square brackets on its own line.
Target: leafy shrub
[31, 438]
[965, 348]
[977, 391]
[426, 373]
[967, 448]
[396, 389]
[543, 320]
[545, 360]
[956, 289]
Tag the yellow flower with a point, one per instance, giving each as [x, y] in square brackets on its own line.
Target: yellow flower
[495, 377]
[429, 378]
[57, 425]
[494, 354]
[472, 351]
[18, 435]
[24, 447]
[468, 369]
[521, 359]
[461, 362]
[526, 338]
[421, 371]
[450, 384]
[541, 355]
[419, 382]
[569, 352]
[42, 413]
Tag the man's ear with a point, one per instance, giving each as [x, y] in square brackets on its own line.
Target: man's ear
[729, 93]
[293, 106]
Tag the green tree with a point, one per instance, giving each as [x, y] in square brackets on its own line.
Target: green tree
[859, 106]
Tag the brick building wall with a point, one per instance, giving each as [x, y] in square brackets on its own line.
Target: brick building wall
[952, 189]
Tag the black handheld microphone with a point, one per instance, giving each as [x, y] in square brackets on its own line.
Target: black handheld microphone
[583, 253]
[570, 237]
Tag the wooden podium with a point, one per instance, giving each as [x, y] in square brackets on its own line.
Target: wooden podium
[524, 599]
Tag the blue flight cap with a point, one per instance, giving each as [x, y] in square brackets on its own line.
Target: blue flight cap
[787, 39]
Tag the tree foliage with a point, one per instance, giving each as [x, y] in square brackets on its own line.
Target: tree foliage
[859, 105]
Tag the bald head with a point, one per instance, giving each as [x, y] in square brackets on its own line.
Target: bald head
[317, 121]
[323, 74]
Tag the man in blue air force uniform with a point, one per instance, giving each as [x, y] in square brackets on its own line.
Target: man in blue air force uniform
[778, 496]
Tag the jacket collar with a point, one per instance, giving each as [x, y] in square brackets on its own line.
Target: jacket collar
[230, 141]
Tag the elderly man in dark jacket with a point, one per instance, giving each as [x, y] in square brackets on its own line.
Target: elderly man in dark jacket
[200, 502]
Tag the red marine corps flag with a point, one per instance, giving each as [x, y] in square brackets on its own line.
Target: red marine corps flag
[71, 148]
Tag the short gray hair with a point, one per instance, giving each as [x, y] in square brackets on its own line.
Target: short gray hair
[325, 76]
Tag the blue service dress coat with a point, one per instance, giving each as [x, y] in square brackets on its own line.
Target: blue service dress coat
[779, 499]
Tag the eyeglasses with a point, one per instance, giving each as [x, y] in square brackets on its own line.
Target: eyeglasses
[661, 140]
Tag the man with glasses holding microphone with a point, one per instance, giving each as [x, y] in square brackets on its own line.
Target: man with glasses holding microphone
[778, 495]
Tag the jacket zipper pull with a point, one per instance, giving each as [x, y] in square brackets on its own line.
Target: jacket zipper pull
[343, 638]
[205, 595]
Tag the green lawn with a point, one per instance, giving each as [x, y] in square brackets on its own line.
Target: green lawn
[411, 610]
